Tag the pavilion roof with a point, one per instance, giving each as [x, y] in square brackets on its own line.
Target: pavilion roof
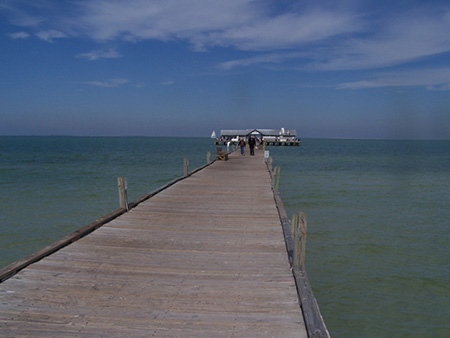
[262, 132]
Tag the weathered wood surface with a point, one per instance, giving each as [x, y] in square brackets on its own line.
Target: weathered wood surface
[314, 322]
[205, 257]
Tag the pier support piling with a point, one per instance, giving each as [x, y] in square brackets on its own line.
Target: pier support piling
[186, 166]
[123, 192]
[294, 223]
[276, 178]
[299, 241]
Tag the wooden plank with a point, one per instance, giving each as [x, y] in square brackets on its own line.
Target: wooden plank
[204, 257]
[11, 269]
[313, 318]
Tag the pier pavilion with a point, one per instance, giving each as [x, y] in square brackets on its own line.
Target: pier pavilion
[276, 137]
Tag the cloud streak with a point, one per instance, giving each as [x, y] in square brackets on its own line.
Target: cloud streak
[243, 24]
[403, 39]
[135, 20]
[112, 83]
[100, 54]
[269, 58]
[333, 40]
[167, 83]
[433, 79]
[310, 37]
[50, 35]
[288, 30]
[19, 35]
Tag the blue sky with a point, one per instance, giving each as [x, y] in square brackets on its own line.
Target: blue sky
[337, 69]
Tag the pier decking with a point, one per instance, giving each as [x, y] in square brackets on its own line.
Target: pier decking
[205, 257]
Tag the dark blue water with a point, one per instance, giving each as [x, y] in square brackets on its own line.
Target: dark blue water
[378, 216]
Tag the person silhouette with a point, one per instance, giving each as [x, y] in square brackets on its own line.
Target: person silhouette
[251, 145]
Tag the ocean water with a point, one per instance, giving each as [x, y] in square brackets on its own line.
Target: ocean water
[378, 241]
[378, 214]
[52, 186]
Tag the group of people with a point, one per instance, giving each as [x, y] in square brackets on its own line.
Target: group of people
[251, 145]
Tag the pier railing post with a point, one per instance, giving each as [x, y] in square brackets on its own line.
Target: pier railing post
[123, 192]
[186, 166]
[299, 243]
[294, 223]
[208, 157]
[277, 178]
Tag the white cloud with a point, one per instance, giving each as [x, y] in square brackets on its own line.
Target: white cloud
[112, 83]
[360, 84]
[162, 20]
[100, 54]
[19, 17]
[397, 40]
[50, 35]
[244, 24]
[264, 58]
[433, 79]
[325, 36]
[289, 30]
[27, 20]
[167, 83]
[335, 39]
[19, 35]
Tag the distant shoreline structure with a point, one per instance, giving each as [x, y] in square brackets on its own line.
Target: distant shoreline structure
[275, 137]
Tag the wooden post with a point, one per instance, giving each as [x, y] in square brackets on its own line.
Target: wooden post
[302, 221]
[294, 223]
[270, 163]
[208, 157]
[186, 166]
[277, 178]
[300, 243]
[123, 194]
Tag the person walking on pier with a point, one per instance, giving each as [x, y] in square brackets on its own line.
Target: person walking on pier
[242, 145]
[251, 145]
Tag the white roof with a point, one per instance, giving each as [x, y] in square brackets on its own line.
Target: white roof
[263, 132]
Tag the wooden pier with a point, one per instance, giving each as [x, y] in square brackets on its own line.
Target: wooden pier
[202, 257]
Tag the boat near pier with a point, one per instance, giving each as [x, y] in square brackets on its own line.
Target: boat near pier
[268, 137]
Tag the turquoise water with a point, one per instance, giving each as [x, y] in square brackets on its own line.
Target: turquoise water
[378, 232]
[52, 186]
[378, 216]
